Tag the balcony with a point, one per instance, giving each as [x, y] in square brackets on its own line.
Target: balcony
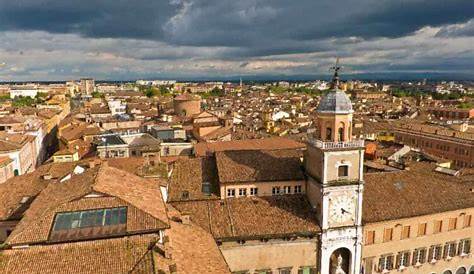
[336, 145]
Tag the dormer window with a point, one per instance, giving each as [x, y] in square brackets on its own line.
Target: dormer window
[89, 223]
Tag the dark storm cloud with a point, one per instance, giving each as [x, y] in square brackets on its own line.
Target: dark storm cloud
[104, 18]
[244, 23]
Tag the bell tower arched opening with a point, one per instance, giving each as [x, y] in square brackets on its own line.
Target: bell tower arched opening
[340, 261]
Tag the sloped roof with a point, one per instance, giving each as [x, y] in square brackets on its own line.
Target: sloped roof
[118, 255]
[259, 165]
[28, 185]
[126, 189]
[415, 192]
[188, 176]
[253, 217]
[193, 248]
[273, 143]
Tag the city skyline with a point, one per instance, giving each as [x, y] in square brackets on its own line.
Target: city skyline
[51, 40]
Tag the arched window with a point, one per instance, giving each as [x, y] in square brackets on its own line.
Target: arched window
[328, 133]
[341, 134]
[16, 172]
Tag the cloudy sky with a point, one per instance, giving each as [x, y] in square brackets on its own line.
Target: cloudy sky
[130, 39]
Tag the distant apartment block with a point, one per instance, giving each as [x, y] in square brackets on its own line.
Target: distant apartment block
[452, 113]
[87, 85]
[447, 144]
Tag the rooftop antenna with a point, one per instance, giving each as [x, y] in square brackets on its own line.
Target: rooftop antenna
[335, 78]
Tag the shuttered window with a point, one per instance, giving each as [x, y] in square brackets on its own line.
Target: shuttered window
[422, 229]
[452, 223]
[370, 237]
[387, 234]
[438, 226]
[405, 232]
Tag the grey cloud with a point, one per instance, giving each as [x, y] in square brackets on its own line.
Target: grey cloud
[458, 30]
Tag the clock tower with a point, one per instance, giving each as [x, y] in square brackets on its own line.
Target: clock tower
[334, 167]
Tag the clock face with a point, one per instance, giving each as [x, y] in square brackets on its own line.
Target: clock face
[341, 210]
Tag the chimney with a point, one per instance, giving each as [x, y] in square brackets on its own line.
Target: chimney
[91, 164]
[186, 218]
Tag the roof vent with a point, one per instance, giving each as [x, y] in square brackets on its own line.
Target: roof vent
[399, 185]
[47, 176]
[25, 199]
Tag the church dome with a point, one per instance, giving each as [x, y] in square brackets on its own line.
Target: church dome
[336, 102]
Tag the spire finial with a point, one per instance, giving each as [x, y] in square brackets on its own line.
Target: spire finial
[335, 78]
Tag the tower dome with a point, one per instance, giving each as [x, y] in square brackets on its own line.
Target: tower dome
[336, 102]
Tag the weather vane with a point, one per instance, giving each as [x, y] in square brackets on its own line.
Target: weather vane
[335, 78]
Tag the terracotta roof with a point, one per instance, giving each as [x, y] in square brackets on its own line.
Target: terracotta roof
[253, 217]
[188, 176]
[187, 97]
[4, 160]
[9, 141]
[28, 185]
[193, 249]
[259, 165]
[141, 196]
[119, 255]
[274, 143]
[415, 192]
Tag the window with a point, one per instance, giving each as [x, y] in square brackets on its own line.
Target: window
[438, 226]
[467, 220]
[297, 189]
[287, 189]
[264, 271]
[403, 259]
[343, 171]
[307, 270]
[328, 133]
[341, 134]
[386, 262]
[452, 223]
[253, 191]
[242, 192]
[464, 247]
[422, 229]
[185, 195]
[405, 232]
[387, 234]
[230, 192]
[276, 190]
[90, 218]
[449, 250]
[370, 237]
[284, 270]
[419, 256]
[434, 253]
[206, 188]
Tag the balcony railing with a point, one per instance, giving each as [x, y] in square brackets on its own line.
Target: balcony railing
[336, 145]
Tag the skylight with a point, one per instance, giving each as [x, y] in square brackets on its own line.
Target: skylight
[90, 218]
